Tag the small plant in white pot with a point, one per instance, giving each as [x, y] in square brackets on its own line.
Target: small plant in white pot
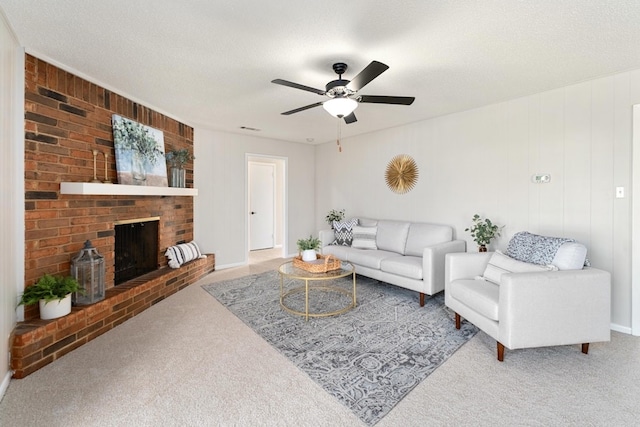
[53, 293]
[308, 248]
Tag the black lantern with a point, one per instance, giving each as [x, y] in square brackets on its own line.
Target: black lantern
[88, 269]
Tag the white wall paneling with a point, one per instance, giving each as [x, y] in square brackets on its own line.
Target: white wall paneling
[635, 250]
[11, 190]
[481, 161]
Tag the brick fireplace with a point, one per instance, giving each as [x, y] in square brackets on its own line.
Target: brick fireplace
[66, 118]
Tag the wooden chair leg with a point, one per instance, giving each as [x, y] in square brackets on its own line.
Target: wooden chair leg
[585, 348]
[457, 321]
[500, 352]
[421, 299]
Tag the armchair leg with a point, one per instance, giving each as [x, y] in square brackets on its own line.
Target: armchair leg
[457, 321]
[585, 348]
[421, 299]
[500, 352]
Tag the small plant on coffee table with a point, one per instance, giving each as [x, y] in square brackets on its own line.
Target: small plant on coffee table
[312, 243]
[308, 248]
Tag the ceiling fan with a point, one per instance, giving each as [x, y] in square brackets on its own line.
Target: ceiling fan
[343, 94]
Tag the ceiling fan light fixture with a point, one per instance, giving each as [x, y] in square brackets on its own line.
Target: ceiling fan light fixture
[340, 107]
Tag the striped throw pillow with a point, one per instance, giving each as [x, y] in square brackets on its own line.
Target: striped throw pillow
[364, 237]
[180, 254]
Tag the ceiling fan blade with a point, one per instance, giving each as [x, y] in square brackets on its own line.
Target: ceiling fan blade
[370, 72]
[351, 118]
[297, 86]
[399, 100]
[306, 107]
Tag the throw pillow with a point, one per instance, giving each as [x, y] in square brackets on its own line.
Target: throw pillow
[364, 237]
[500, 264]
[182, 253]
[533, 248]
[343, 231]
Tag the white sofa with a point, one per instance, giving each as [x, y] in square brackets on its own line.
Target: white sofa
[408, 254]
[522, 305]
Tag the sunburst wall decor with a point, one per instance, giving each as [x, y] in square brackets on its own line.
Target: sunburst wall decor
[401, 174]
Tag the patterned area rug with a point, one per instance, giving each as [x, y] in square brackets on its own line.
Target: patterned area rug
[370, 357]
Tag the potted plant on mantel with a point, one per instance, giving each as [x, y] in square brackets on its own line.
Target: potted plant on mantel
[483, 231]
[177, 159]
[308, 248]
[53, 293]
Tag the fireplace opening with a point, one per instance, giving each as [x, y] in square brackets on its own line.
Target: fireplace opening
[136, 248]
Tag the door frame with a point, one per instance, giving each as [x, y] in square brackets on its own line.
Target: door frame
[282, 185]
[635, 223]
[252, 164]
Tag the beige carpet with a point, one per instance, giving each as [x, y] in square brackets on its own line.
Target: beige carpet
[188, 362]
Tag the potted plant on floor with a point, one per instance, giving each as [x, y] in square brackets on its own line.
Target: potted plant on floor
[308, 248]
[483, 231]
[53, 293]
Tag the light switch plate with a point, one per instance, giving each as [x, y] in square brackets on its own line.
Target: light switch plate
[619, 192]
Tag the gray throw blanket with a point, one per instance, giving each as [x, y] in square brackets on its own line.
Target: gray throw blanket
[535, 249]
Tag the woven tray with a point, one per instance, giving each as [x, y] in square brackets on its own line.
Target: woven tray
[322, 264]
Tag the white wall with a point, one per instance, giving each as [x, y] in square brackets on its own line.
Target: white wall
[220, 175]
[481, 161]
[11, 189]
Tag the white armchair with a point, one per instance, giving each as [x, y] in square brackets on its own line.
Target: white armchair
[529, 309]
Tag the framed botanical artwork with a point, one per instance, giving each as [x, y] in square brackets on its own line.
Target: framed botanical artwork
[139, 150]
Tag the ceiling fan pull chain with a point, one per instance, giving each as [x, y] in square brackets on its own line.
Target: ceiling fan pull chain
[339, 136]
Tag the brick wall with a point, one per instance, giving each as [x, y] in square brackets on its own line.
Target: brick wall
[67, 117]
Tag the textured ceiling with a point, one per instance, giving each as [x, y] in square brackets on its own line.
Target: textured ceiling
[210, 63]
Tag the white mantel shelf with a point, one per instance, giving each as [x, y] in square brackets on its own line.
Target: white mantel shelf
[90, 188]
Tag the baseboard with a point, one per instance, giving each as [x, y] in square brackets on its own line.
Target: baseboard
[5, 384]
[237, 264]
[619, 328]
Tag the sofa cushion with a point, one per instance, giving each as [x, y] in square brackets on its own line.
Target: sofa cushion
[407, 266]
[340, 252]
[482, 296]
[422, 235]
[364, 237]
[343, 231]
[500, 264]
[367, 222]
[570, 256]
[368, 258]
[392, 236]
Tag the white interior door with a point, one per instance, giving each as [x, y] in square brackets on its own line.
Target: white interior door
[261, 205]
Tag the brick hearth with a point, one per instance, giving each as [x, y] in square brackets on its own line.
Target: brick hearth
[37, 343]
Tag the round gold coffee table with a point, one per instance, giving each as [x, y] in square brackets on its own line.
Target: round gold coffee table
[316, 282]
